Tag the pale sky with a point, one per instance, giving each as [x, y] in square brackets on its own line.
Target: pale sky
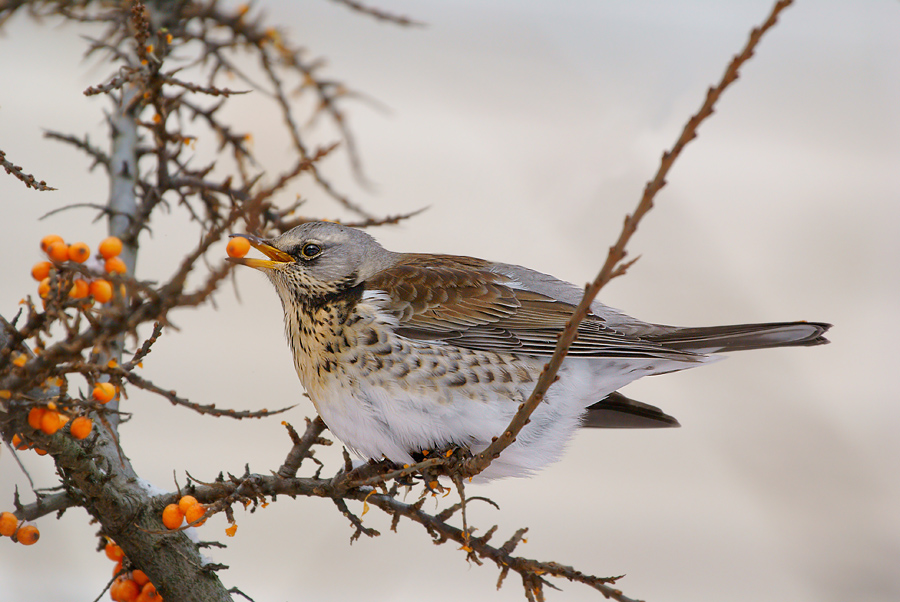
[529, 129]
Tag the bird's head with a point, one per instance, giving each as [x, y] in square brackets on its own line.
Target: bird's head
[317, 259]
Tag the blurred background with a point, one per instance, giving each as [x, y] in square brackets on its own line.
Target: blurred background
[529, 130]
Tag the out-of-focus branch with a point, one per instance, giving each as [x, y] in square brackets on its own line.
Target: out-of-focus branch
[29, 180]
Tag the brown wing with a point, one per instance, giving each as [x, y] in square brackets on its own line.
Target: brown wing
[458, 300]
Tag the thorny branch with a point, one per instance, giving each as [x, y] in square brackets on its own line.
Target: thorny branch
[157, 121]
[29, 180]
[613, 266]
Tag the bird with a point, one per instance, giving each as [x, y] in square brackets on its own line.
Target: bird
[402, 353]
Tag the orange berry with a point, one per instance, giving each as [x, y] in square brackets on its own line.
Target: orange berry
[49, 240]
[237, 247]
[8, 524]
[80, 289]
[113, 551]
[117, 568]
[58, 251]
[140, 577]
[104, 392]
[110, 247]
[81, 427]
[148, 594]
[172, 516]
[44, 287]
[40, 452]
[41, 270]
[128, 591]
[34, 417]
[115, 265]
[28, 535]
[101, 290]
[19, 443]
[20, 360]
[79, 252]
[186, 502]
[51, 422]
[194, 513]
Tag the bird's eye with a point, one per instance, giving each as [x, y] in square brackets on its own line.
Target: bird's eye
[310, 250]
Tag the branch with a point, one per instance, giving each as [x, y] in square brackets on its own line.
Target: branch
[612, 267]
[28, 179]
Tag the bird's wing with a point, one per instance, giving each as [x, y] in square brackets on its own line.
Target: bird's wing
[461, 301]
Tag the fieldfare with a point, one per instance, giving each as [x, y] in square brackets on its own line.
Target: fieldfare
[404, 352]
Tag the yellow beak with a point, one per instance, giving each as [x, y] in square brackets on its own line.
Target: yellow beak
[276, 257]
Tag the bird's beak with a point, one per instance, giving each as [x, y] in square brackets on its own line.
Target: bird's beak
[277, 258]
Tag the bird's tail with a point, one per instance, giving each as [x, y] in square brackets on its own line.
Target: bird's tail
[738, 337]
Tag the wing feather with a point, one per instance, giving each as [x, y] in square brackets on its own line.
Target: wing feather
[460, 301]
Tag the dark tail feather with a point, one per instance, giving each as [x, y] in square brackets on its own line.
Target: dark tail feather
[713, 339]
[616, 411]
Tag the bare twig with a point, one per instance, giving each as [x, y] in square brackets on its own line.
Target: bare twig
[29, 180]
[612, 267]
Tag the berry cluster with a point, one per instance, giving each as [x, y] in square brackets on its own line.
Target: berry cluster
[129, 586]
[188, 508]
[23, 533]
[59, 252]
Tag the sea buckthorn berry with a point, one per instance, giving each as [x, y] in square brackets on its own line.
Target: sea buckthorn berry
[237, 247]
[28, 535]
[79, 252]
[140, 577]
[49, 240]
[44, 287]
[20, 360]
[104, 392]
[115, 265]
[80, 289]
[194, 513]
[128, 591]
[39, 451]
[19, 443]
[58, 251]
[101, 290]
[172, 516]
[186, 502]
[51, 422]
[113, 551]
[148, 594]
[110, 247]
[41, 270]
[81, 427]
[8, 524]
